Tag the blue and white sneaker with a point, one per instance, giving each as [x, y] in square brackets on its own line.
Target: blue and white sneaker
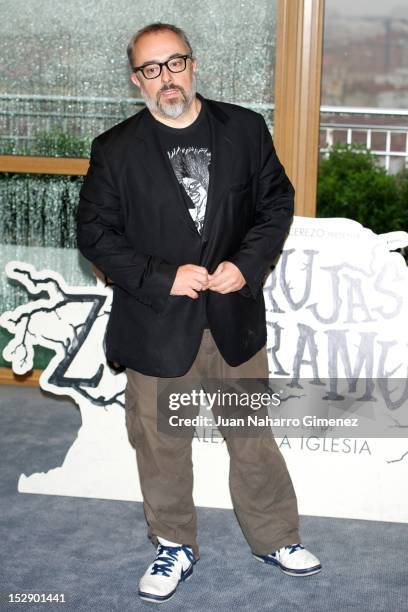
[173, 564]
[293, 560]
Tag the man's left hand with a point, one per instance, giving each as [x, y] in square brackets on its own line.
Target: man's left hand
[226, 278]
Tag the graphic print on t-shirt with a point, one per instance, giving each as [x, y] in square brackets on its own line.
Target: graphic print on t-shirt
[191, 167]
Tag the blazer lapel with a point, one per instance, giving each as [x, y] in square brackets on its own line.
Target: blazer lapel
[222, 160]
[155, 162]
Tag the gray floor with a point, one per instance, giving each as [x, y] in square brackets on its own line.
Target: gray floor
[94, 550]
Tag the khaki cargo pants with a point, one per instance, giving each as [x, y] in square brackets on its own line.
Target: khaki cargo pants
[261, 489]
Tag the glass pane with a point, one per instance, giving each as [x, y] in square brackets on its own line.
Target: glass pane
[364, 114]
[365, 77]
[65, 75]
[365, 53]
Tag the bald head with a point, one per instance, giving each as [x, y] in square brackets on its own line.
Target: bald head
[136, 41]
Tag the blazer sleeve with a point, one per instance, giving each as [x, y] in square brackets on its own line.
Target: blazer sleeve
[101, 239]
[274, 211]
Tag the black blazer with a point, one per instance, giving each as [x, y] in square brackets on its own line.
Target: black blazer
[133, 224]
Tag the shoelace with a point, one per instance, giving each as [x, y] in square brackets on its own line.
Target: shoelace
[167, 555]
[294, 547]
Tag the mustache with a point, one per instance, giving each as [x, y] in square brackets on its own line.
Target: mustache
[168, 86]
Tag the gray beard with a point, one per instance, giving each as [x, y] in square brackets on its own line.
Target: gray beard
[171, 110]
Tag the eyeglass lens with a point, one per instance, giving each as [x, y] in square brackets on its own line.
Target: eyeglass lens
[176, 64]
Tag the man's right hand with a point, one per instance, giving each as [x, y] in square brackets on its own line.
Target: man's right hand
[190, 279]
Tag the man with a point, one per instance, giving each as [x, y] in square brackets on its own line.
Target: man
[185, 208]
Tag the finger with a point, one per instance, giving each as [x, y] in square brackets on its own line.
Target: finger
[192, 294]
[219, 269]
[219, 274]
[220, 280]
[196, 285]
[226, 286]
[201, 278]
[215, 287]
[200, 269]
[228, 289]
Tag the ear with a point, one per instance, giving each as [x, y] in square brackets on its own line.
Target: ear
[135, 80]
[194, 64]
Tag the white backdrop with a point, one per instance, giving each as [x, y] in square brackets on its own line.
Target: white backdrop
[337, 306]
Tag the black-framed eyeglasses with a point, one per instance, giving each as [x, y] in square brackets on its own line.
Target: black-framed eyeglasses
[174, 64]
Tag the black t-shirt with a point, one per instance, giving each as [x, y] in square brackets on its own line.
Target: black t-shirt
[189, 152]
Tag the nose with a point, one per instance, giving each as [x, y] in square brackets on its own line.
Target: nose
[165, 74]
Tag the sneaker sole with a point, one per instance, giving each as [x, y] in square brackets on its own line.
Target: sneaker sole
[162, 598]
[290, 572]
